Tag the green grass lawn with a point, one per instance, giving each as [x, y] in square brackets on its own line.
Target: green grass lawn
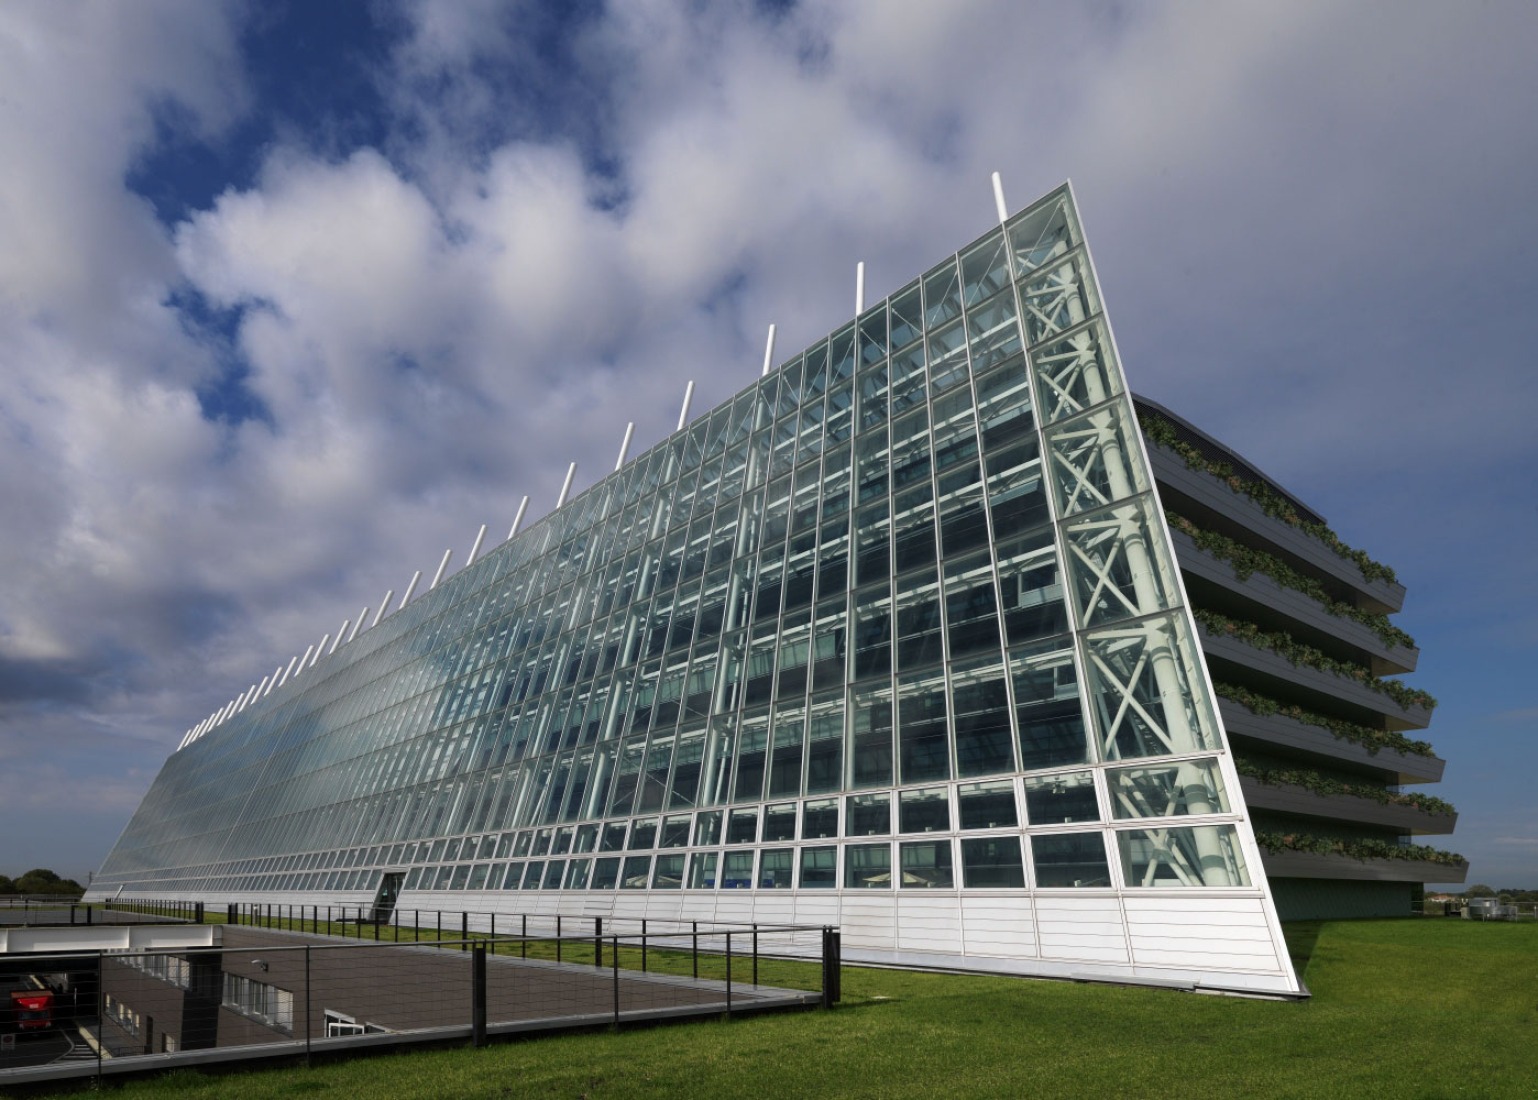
[1407, 1008]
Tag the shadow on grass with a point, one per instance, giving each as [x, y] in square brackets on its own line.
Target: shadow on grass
[1301, 935]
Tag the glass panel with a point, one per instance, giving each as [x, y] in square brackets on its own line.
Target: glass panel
[780, 822]
[1074, 373]
[992, 863]
[707, 828]
[1199, 855]
[907, 316]
[1167, 790]
[922, 727]
[702, 871]
[643, 834]
[985, 268]
[637, 873]
[819, 868]
[669, 872]
[581, 869]
[869, 815]
[675, 832]
[1147, 701]
[825, 745]
[819, 819]
[743, 827]
[1057, 297]
[1093, 462]
[1058, 799]
[605, 873]
[924, 811]
[868, 867]
[1047, 708]
[987, 805]
[870, 746]
[926, 865]
[942, 295]
[789, 742]
[737, 874]
[980, 705]
[775, 868]
[1039, 235]
[1115, 564]
[1070, 859]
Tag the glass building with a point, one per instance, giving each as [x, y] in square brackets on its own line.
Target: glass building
[895, 639]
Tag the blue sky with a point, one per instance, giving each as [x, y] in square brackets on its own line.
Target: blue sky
[293, 296]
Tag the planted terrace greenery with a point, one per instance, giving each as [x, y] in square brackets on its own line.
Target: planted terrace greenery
[1161, 431]
[1287, 646]
[1356, 848]
[1370, 739]
[1246, 560]
[1328, 786]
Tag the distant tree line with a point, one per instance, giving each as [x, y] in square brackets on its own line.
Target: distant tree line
[40, 880]
[1506, 895]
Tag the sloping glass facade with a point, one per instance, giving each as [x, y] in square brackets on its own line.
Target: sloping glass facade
[899, 621]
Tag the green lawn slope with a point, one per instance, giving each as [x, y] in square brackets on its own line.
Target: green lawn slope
[1403, 1009]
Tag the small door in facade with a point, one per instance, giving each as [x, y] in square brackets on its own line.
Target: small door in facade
[389, 892]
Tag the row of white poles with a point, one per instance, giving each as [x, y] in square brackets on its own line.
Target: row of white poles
[313, 654]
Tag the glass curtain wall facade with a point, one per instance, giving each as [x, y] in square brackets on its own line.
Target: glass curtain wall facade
[894, 639]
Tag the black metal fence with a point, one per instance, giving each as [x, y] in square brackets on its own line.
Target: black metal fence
[288, 981]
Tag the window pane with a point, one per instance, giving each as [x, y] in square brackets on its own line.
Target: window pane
[868, 867]
[924, 811]
[1070, 859]
[738, 871]
[669, 872]
[819, 819]
[1201, 855]
[637, 872]
[987, 805]
[1167, 790]
[926, 865]
[992, 862]
[605, 873]
[780, 822]
[1058, 799]
[775, 868]
[819, 868]
[869, 815]
[702, 871]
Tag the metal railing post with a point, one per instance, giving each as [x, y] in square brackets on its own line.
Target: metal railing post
[478, 995]
[101, 1013]
[614, 958]
[755, 954]
[694, 938]
[523, 947]
[728, 973]
[643, 945]
[309, 1028]
[598, 941]
[464, 929]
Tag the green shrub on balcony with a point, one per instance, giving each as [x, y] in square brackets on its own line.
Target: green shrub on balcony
[1246, 560]
[1285, 645]
[1161, 431]
[1327, 786]
[1370, 739]
[1359, 848]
